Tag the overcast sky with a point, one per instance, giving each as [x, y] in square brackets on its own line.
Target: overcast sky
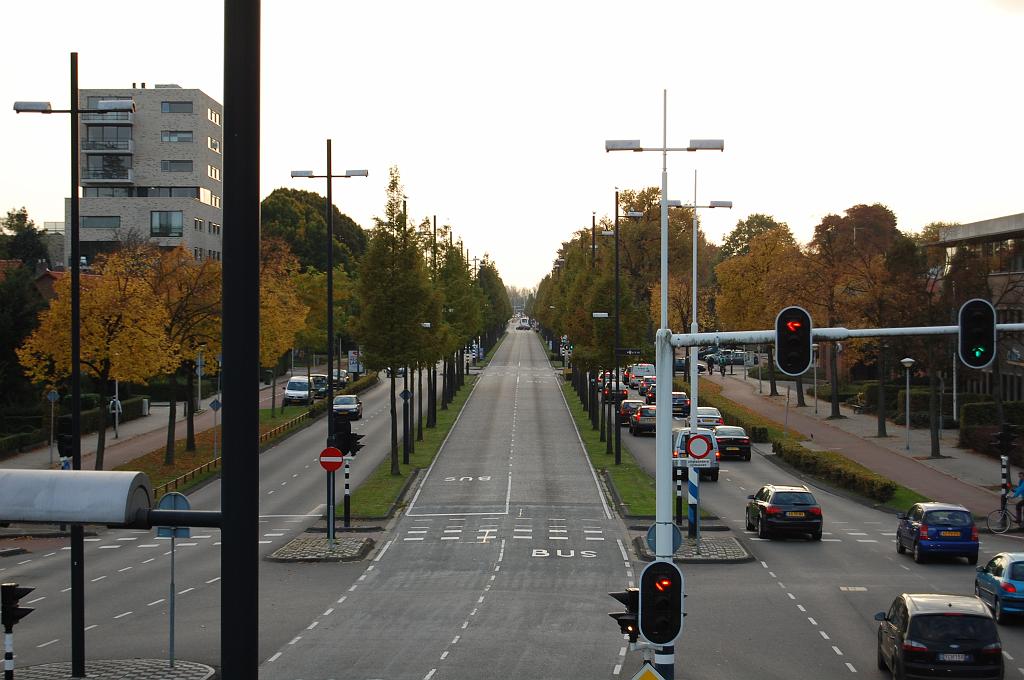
[496, 113]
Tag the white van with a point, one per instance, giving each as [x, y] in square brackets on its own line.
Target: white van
[297, 391]
[639, 372]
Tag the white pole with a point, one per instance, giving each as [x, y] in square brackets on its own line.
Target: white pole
[117, 408]
[814, 358]
[907, 408]
[663, 368]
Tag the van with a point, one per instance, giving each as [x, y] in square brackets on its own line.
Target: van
[296, 391]
[639, 372]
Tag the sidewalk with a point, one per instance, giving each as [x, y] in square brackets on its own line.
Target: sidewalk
[959, 476]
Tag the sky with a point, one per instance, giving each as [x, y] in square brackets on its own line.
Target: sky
[496, 113]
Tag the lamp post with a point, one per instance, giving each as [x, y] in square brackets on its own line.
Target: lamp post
[77, 533]
[907, 364]
[329, 176]
[663, 391]
[814, 362]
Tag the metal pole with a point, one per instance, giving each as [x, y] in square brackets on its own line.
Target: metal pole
[330, 341]
[348, 496]
[693, 474]
[117, 407]
[51, 431]
[907, 407]
[8, 653]
[956, 413]
[170, 601]
[199, 381]
[618, 429]
[240, 483]
[593, 239]
[814, 356]
[77, 531]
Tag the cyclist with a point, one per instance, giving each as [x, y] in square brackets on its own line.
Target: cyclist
[1018, 492]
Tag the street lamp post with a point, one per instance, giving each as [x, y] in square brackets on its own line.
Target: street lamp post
[329, 176]
[814, 362]
[907, 364]
[77, 532]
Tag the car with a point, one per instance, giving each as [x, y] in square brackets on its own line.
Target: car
[639, 371]
[651, 394]
[1000, 584]
[733, 442]
[929, 635]
[341, 377]
[523, 327]
[614, 391]
[928, 529]
[319, 385]
[296, 391]
[679, 451]
[627, 407]
[643, 420]
[783, 508]
[399, 372]
[647, 384]
[680, 404]
[348, 405]
[709, 416]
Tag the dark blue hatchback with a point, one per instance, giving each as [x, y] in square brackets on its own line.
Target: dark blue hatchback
[938, 529]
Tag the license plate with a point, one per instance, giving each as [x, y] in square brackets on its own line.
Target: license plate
[794, 514]
[732, 448]
[949, 533]
[952, 657]
[647, 420]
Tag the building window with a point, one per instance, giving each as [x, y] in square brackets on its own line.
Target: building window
[215, 200]
[176, 166]
[197, 253]
[168, 192]
[213, 116]
[175, 135]
[197, 224]
[214, 144]
[106, 166]
[165, 223]
[106, 192]
[107, 138]
[213, 172]
[100, 222]
[175, 107]
[214, 228]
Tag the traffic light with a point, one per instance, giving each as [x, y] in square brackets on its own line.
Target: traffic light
[977, 333]
[10, 612]
[350, 444]
[661, 602]
[793, 341]
[627, 620]
[345, 440]
[1005, 439]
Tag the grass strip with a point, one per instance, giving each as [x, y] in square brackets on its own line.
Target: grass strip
[376, 495]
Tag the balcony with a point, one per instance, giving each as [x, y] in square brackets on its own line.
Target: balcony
[101, 177]
[108, 146]
[112, 118]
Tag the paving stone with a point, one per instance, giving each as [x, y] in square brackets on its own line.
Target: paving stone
[125, 669]
[314, 548]
[715, 547]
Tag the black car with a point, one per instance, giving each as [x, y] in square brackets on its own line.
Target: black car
[939, 636]
[319, 385]
[680, 404]
[627, 407]
[778, 508]
[733, 442]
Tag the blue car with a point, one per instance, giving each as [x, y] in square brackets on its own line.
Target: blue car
[938, 529]
[1000, 584]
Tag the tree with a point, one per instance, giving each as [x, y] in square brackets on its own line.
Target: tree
[21, 240]
[123, 333]
[20, 304]
[297, 218]
[737, 241]
[280, 307]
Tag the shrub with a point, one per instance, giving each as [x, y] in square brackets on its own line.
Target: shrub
[837, 469]
[984, 412]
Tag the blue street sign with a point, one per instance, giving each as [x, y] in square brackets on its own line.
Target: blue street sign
[174, 501]
[215, 404]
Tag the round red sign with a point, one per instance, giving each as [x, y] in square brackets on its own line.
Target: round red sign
[698, 446]
[331, 459]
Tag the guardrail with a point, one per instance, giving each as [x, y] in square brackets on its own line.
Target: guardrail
[284, 427]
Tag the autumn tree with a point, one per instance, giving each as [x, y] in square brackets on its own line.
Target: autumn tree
[281, 311]
[123, 334]
[737, 241]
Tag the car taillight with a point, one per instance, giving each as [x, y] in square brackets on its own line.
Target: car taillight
[772, 510]
[1008, 587]
[914, 646]
[922, 532]
[718, 455]
[815, 511]
[994, 648]
[745, 440]
[720, 421]
[974, 533]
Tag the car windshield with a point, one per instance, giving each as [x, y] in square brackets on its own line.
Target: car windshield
[730, 432]
[708, 411]
[679, 398]
[647, 411]
[300, 385]
[345, 399]
[319, 380]
[793, 498]
[951, 627]
[953, 518]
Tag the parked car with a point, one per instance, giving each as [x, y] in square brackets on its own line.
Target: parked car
[319, 385]
[296, 391]
[638, 372]
[709, 416]
[627, 408]
[733, 442]
[642, 420]
[780, 508]
[679, 451]
[614, 391]
[939, 636]
[938, 529]
[647, 384]
[680, 404]
[399, 372]
[1000, 584]
[349, 405]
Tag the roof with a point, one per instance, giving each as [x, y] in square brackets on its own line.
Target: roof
[1013, 556]
[995, 229]
[935, 603]
[788, 487]
[943, 506]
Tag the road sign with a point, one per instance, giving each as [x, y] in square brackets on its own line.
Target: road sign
[698, 446]
[215, 404]
[331, 459]
[677, 538]
[648, 672]
[405, 394]
[53, 395]
[628, 351]
[173, 501]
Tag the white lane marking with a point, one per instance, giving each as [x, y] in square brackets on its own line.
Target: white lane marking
[824, 634]
[465, 624]
[65, 590]
[813, 622]
[36, 600]
[128, 538]
[791, 596]
[260, 542]
[856, 533]
[98, 578]
[456, 639]
[313, 625]
[92, 626]
[383, 550]
[772, 574]
[124, 569]
[187, 590]
[270, 535]
[23, 562]
[155, 602]
[213, 580]
[622, 549]
[122, 615]
[328, 612]
[764, 564]
[268, 493]
[854, 670]
[444, 655]
[866, 540]
[430, 674]
[149, 560]
[90, 540]
[146, 545]
[342, 599]
[295, 639]
[838, 651]
[46, 644]
[274, 658]
[831, 540]
[1007, 655]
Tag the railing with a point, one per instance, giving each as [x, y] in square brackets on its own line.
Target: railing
[107, 145]
[284, 427]
[112, 175]
[109, 117]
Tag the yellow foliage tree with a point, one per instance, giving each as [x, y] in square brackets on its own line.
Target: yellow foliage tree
[282, 314]
[122, 332]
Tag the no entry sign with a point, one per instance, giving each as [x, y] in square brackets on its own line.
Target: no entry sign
[331, 459]
[698, 446]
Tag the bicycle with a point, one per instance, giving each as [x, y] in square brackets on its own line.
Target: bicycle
[1000, 521]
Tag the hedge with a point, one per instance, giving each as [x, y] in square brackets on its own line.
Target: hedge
[15, 442]
[837, 469]
[160, 389]
[92, 419]
[984, 412]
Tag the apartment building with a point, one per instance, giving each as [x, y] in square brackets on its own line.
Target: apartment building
[153, 174]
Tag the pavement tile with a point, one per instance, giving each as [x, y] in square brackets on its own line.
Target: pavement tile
[315, 548]
[126, 669]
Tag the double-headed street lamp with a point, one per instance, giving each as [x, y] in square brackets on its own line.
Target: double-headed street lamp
[110, 106]
[329, 176]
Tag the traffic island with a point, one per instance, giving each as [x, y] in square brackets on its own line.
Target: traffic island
[711, 548]
[310, 547]
[121, 669]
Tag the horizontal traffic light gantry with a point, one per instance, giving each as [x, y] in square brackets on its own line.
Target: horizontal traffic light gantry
[661, 602]
[977, 333]
[793, 341]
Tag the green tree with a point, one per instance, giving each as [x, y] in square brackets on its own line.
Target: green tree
[21, 240]
[20, 304]
[737, 241]
[297, 217]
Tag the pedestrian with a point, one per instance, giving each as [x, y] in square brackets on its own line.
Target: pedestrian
[1018, 492]
[721, 364]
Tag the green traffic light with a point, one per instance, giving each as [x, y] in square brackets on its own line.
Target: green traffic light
[978, 351]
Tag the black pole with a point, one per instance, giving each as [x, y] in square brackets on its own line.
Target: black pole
[618, 430]
[593, 239]
[347, 502]
[411, 410]
[241, 327]
[330, 342]
[419, 402]
[77, 531]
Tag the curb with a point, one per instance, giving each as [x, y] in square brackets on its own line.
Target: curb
[643, 553]
[11, 552]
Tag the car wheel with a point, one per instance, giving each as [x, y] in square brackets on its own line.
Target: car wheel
[714, 475]
[972, 559]
[746, 457]
[900, 548]
[918, 555]
[998, 612]
[816, 536]
[762, 530]
[746, 519]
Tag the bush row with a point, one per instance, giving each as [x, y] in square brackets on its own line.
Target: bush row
[94, 418]
[984, 412]
[755, 426]
[15, 442]
[837, 469]
[159, 389]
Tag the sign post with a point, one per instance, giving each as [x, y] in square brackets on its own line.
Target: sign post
[173, 501]
[330, 460]
[52, 396]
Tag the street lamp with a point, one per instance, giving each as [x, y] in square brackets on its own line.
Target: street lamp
[77, 533]
[329, 176]
[907, 364]
[814, 362]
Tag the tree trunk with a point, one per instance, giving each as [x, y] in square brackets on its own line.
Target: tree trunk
[800, 392]
[395, 470]
[172, 416]
[101, 434]
[833, 369]
[934, 417]
[444, 384]
[190, 410]
[773, 390]
[419, 402]
[881, 393]
[273, 393]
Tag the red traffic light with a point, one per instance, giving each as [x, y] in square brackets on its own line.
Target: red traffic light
[663, 584]
[794, 326]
